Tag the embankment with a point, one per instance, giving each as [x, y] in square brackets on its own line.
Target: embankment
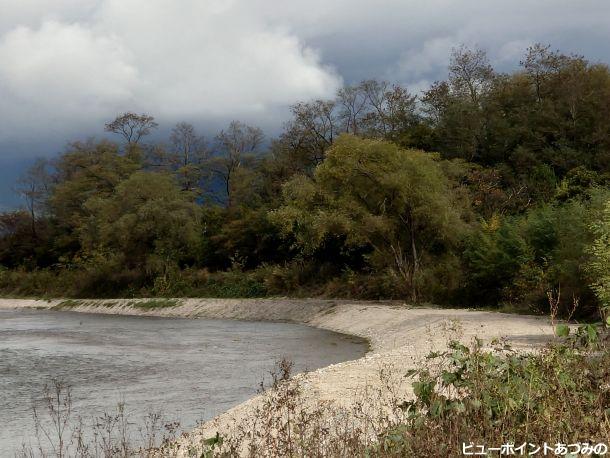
[399, 336]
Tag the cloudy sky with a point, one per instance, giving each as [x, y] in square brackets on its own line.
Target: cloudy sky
[67, 66]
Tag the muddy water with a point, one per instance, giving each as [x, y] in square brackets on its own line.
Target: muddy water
[189, 370]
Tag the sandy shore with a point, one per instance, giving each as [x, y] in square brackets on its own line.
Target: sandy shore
[399, 335]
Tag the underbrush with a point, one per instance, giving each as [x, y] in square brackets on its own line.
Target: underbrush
[84, 284]
[59, 432]
[302, 279]
[294, 280]
[468, 397]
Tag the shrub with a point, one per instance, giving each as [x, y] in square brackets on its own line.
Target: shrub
[480, 395]
[469, 395]
[599, 265]
[493, 256]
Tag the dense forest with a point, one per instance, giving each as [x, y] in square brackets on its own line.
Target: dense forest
[488, 189]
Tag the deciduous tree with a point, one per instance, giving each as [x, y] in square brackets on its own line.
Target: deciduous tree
[34, 186]
[396, 201]
[132, 127]
[236, 150]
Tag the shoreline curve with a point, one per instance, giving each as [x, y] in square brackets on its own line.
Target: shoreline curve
[398, 335]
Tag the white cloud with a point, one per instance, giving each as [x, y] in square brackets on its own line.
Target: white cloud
[177, 60]
[427, 61]
[62, 72]
[32, 13]
[66, 66]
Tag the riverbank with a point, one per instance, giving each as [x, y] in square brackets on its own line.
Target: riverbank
[399, 337]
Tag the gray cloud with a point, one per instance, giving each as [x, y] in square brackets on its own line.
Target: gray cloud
[69, 65]
[67, 71]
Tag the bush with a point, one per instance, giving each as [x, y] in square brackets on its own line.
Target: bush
[105, 282]
[290, 277]
[469, 395]
[516, 261]
[371, 286]
[232, 284]
[493, 256]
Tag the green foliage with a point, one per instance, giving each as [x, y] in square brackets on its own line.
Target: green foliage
[516, 260]
[86, 171]
[579, 182]
[148, 221]
[493, 257]
[341, 204]
[105, 281]
[470, 394]
[599, 264]
[211, 444]
[562, 330]
[152, 304]
[244, 237]
[398, 202]
[232, 284]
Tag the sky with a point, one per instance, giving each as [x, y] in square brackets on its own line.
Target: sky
[69, 66]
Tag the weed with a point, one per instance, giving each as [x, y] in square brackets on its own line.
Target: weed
[59, 433]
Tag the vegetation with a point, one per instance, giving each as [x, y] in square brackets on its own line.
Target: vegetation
[488, 189]
[471, 396]
[151, 304]
[393, 205]
[59, 432]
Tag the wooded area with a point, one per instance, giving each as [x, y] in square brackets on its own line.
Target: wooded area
[488, 189]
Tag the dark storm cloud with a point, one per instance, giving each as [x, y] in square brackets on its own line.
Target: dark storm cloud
[69, 65]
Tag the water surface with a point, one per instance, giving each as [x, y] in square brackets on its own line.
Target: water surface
[190, 370]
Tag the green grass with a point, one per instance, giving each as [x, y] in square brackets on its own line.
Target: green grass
[67, 304]
[152, 304]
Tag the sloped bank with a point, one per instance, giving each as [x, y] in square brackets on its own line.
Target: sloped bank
[399, 336]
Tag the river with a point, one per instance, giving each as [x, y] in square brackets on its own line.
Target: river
[189, 370]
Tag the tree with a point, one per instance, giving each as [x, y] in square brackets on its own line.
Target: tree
[540, 63]
[147, 221]
[374, 193]
[132, 127]
[470, 74]
[34, 186]
[353, 101]
[456, 107]
[313, 128]
[599, 264]
[17, 246]
[236, 149]
[493, 256]
[371, 109]
[189, 154]
[86, 170]
[391, 109]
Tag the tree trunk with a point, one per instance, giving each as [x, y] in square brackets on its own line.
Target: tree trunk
[33, 218]
[415, 262]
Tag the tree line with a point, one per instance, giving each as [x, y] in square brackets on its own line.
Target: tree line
[489, 188]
